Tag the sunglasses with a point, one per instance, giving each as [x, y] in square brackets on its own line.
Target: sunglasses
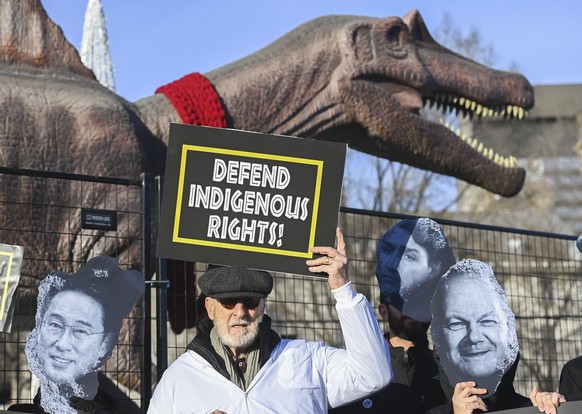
[248, 303]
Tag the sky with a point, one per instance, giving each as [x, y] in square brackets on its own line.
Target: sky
[155, 42]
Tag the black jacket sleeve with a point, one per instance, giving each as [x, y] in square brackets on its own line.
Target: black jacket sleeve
[571, 380]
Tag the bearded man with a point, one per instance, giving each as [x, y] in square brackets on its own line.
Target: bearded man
[237, 364]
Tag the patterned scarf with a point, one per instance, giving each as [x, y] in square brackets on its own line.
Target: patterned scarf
[240, 379]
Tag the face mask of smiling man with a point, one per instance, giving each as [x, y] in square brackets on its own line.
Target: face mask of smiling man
[78, 320]
[473, 328]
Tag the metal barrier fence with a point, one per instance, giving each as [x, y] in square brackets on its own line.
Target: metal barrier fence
[540, 272]
[43, 212]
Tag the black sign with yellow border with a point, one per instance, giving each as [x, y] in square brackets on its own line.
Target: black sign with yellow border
[248, 199]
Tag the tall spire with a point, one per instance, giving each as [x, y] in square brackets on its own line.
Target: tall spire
[95, 45]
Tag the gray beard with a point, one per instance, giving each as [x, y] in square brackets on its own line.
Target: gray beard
[242, 341]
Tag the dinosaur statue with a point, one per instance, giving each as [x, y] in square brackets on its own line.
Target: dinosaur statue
[363, 81]
[344, 78]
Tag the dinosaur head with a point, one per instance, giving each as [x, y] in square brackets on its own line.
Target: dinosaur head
[365, 81]
[393, 68]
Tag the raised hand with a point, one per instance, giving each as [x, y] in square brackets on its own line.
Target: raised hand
[334, 262]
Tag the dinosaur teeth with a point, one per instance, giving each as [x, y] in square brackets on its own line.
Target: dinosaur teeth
[456, 105]
[468, 106]
[510, 110]
[513, 111]
[520, 113]
[460, 105]
[507, 162]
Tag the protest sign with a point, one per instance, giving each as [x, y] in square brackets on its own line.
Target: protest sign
[10, 265]
[248, 199]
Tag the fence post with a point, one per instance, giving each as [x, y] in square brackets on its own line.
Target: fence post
[162, 299]
[146, 257]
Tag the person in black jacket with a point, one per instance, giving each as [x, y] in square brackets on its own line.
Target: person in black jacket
[571, 375]
[464, 398]
[504, 398]
[571, 380]
[411, 257]
[415, 387]
[476, 343]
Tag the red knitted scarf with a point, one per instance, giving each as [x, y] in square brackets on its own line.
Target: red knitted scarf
[195, 100]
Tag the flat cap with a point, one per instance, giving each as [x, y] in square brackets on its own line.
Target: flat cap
[235, 282]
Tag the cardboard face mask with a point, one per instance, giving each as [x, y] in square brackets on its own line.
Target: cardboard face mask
[411, 257]
[473, 328]
[78, 320]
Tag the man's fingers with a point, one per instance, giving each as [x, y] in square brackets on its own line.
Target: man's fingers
[341, 244]
[546, 402]
[533, 393]
[469, 388]
[333, 262]
[466, 398]
[339, 252]
[462, 385]
[477, 403]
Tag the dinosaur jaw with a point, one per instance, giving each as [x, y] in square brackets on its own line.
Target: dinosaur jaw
[469, 160]
[405, 136]
[411, 100]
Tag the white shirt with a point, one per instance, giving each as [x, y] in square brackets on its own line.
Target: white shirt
[299, 377]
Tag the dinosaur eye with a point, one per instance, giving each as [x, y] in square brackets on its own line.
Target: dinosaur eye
[393, 37]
